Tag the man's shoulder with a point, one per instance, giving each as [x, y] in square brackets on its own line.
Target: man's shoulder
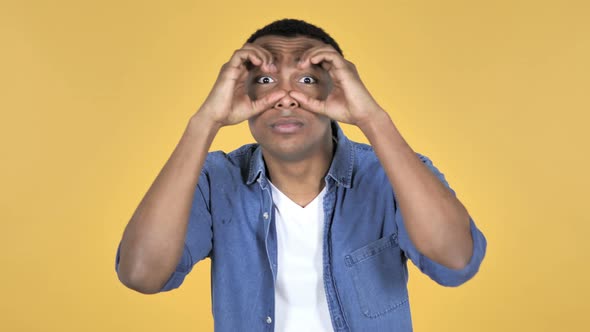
[362, 148]
[238, 158]
[365, 154]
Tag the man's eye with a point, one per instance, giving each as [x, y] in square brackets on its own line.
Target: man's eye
[307, 80]
[265, 80]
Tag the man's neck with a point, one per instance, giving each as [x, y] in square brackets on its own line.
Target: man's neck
[300, 180]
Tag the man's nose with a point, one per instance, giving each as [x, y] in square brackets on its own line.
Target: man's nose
[287, 102]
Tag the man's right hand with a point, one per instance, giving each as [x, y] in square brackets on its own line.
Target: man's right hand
[228, 102]
[153, 241]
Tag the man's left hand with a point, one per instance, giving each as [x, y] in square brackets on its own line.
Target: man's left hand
[349, 101]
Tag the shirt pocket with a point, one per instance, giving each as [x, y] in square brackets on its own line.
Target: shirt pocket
[379, 276]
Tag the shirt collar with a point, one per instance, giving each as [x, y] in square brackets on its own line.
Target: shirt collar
[340, 170]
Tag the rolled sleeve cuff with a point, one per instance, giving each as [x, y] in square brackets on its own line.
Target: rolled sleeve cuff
[177, 277]
[450, 277]
[182, 269]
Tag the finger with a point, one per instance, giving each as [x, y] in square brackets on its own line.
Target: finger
[312, 51]
[235, 69]
[328, 57]
[255, 55]
[329, 60]
[265, 55]
[267, 101]
[242, 56]
[308, 103]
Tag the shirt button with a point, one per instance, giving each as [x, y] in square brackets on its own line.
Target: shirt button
[268, 320]
[265, 215]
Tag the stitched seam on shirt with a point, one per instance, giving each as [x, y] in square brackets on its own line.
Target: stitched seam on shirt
[350, 260]
[350, 165]
[190, 256]
[370, 253]
[388, 309]
[244, 149]
[363, 147]
[332, 196]
[367, 312]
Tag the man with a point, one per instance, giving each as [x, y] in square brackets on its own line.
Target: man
[306, 230]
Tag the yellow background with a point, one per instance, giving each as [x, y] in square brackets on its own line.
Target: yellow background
[94, 96]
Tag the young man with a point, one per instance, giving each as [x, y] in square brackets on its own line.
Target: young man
[306, 230]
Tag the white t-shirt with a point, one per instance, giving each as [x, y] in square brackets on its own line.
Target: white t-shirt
[300, 298]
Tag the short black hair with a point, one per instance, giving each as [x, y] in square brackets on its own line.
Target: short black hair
[292, 28]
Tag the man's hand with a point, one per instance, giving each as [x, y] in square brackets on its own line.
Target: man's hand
[437, 222]
[349, 101]
[228, 102]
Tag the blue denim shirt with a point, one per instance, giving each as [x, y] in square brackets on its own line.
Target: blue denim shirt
[365, 243]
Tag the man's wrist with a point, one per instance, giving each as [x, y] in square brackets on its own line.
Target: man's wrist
[202, 119]
[371, 122]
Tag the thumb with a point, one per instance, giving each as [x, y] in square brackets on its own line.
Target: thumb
[267, 101]
[308, 103]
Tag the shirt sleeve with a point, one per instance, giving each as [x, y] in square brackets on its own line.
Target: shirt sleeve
[198, 240]
[437, 272]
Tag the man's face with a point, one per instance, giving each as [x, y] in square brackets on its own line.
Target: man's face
[287, 131]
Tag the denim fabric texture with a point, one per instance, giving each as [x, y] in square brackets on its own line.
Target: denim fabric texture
[365, 245]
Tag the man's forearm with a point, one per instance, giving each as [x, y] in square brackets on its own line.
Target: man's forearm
[436, 221]
[153, 240]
